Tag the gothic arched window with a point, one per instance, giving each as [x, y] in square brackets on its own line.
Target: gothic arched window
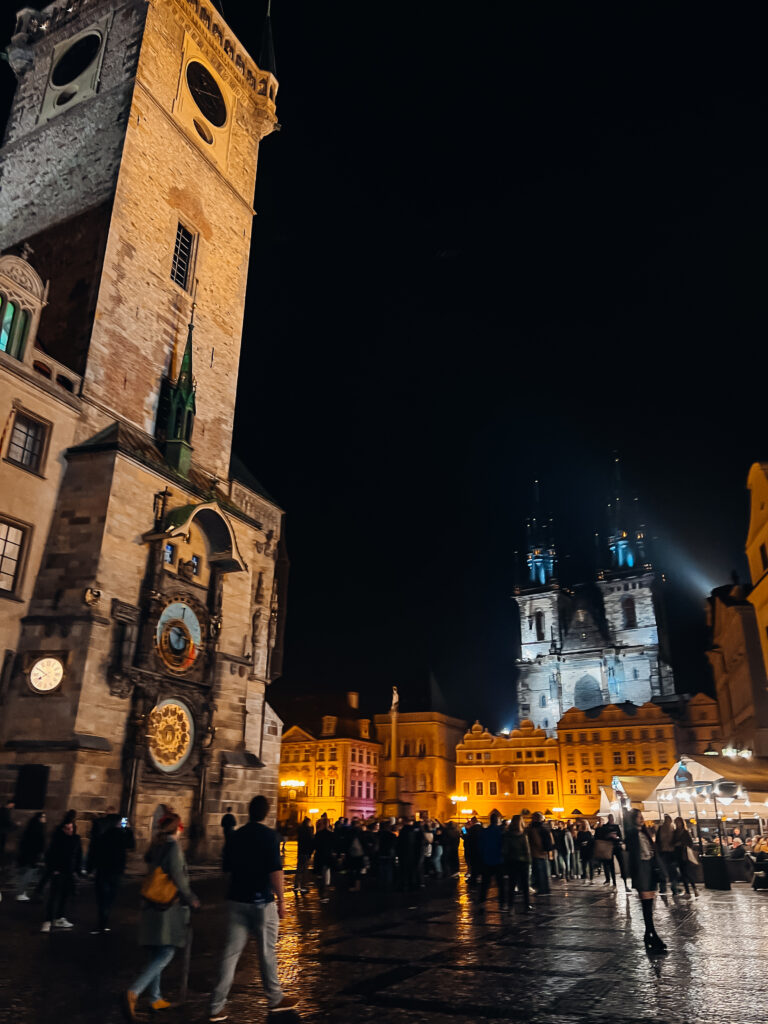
[629, 612]
[543, 700]
[540, 635]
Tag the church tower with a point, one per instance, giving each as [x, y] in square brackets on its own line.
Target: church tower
[145, 566]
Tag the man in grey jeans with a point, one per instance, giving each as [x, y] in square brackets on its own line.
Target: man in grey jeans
[256, 905]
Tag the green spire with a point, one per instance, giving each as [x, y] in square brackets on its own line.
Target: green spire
[182, 410]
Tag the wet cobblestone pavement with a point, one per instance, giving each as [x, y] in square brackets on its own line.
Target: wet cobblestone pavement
[429, 958]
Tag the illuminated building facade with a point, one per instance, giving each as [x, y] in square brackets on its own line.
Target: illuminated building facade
[616, 739]
[425, 763]
[142, 567]
[512, 773]
[595, 644]
[757, 552]
[329, 762]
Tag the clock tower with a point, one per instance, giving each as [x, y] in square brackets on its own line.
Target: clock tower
[143, 568]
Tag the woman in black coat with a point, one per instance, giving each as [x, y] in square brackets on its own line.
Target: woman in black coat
[642, 863]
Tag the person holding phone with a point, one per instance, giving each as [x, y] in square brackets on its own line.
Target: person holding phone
[107, 852]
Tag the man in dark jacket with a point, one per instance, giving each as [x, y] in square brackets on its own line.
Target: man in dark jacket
[305, 847]
[111, 840]
[491, 850]
[472, 849]
[256, 906]
[7, 826]
[63, 859]
[31, 847]
[541, 842]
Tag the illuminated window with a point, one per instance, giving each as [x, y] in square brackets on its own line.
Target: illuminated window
[598, 758]
[331, 787]
[25, 447]
[585, 759]
[332, 754]
[169, 554]
[321, 754]
[550, 788]
[492, 788]
[374, 791]
[307, 754]
[195, 565]
[353, 754]
[647, 757]
[587, 785]
[569, 737]
[470, 756]
[11, 549]
[535, 788]
[571, 758]
[631, 758]
[368, 791]
[181, 264]
[465, 788]
[617, 757]
[572, 784]
[521, 788]
[14, 324]
[367, 757]
[319, 787]
[478, 789]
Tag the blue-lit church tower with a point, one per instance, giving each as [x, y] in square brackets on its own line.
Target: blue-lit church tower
[597, 642]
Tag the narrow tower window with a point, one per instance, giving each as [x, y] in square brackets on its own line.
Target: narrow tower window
[181, 264]
[540, 635]
[630, 614]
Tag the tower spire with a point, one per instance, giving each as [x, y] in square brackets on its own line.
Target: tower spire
[541, 556]
[267, 51]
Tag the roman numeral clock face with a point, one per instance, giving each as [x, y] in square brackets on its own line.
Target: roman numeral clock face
[178, 636]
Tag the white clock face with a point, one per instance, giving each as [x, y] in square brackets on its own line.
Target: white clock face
[178, 636]
[46, 674]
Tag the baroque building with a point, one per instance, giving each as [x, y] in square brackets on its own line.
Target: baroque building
[597, 643]
[142, 567]
[757, 550]
[329, 762]
[418, 773]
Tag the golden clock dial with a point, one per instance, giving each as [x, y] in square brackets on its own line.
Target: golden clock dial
[170, 734]
[46, 674]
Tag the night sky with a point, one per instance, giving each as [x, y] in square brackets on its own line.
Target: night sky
[497, 242]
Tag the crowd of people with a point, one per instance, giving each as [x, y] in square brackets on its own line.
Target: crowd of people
[518, 859]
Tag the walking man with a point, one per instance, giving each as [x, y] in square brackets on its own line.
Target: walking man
[107, 853]
[305, 849]
[256, 905]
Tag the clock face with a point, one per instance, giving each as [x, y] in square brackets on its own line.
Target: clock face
[46, 674]
[170, 734]
[77, 59]
[178, 636]
[206, 94]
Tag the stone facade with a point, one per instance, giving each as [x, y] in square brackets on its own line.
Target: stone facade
[736, 658]
[424, 767]
[597, 643]
[145, 603]
[757, 550]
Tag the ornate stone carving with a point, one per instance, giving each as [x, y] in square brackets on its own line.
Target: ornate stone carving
[17, 270]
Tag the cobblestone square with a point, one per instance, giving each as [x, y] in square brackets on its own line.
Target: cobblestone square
[430, 958]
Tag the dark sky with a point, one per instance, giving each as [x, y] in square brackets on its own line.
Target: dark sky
[496, 242]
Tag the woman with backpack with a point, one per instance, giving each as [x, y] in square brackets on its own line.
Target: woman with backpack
[164, 921]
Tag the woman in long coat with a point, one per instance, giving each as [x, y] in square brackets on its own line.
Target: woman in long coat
[162, 930]
[642, 865]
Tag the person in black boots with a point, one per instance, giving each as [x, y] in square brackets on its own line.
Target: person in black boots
[685, 856]
[642, 867]
[517, 862]
[107, 853]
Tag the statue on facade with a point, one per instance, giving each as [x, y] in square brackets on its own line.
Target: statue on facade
[395, 700]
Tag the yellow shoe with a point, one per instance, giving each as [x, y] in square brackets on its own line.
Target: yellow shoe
[160, 1004]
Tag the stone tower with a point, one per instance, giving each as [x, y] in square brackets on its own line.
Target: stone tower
[146, 567]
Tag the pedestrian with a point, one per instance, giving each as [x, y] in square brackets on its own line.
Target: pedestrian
[644, 869]
[472, 834]
[517, 861]
[437, 850]
[355, 854]
[305, 845]
[685, 856]
[540, 841]
[605, 838]
[256, 907]
[387, 855]
[491, 850]
[228, 824]
[31, 849]
[107, 853]
[451, 839]
[323, 857]
[63, 860]
[584, 842]
[164, 921]
[7, 827]
[665, 853]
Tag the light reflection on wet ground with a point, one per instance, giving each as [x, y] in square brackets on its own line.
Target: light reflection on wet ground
[429, 958]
